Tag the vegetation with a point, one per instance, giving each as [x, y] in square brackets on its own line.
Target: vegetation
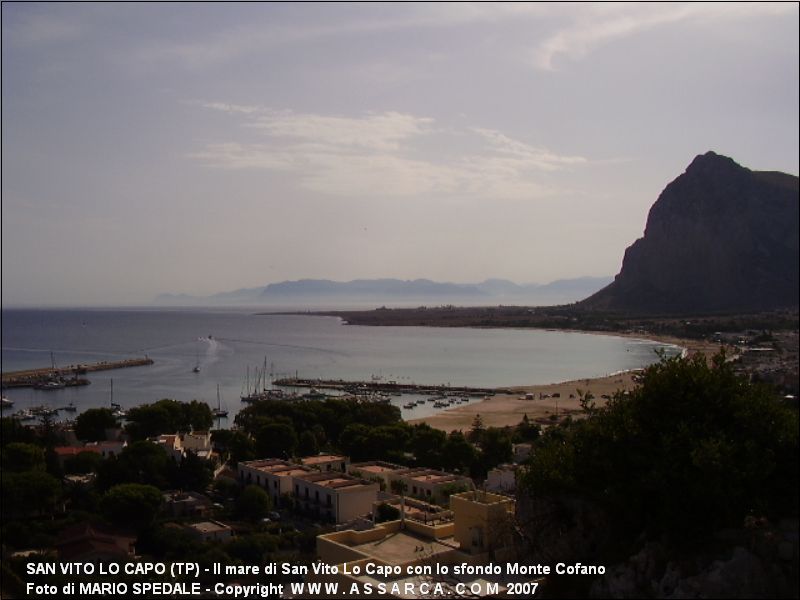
[131, 504]
[694, 449]
[168, 416]
[91, 424]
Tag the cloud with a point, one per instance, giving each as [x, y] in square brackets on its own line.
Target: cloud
[385, 154]
[594, 25]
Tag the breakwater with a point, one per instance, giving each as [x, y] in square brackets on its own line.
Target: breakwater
[68, 374]
[381, 386]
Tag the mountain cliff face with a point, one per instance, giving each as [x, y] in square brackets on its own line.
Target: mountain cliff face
[719, 238]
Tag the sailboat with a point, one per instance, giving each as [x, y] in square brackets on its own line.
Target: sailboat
[218, 412]
[197, 364]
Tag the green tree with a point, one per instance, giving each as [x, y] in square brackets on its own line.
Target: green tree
[693, 449]
[140, 462]
[253, 503]
[83, 462]
[308, 444]
[476, 432]
[276, 440]
[91, 424]
[427, 444]
[131, 504]
[496, 447]
[29, 492]
[386, 512]
[19, 456]
[458, 453]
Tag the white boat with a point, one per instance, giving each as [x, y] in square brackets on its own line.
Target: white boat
[218, 413]
[5, 402]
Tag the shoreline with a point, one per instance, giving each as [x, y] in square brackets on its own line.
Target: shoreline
[509, 409]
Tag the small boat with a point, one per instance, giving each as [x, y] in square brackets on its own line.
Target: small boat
[410, 405]
[218, 413]
[70, 407]
[24, 415]
[49, 385]
[5, 402]
[197, 364]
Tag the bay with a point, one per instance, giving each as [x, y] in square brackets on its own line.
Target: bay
[225, 342]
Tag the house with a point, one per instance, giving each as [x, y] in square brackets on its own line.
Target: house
[65, 453]
[172, 445]
[502, 478]
[326, 462]
[208, 531]
[198, 442]
[376, 470]
[334, 496]
[92, 543]
[108, 448]
[186, 504]
[432, 485]
[275, 475]
[521, 452]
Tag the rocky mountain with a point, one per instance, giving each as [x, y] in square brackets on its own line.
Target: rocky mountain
[719, 238]
[324, 292]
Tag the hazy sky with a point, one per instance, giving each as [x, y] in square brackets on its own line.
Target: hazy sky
[201, 148]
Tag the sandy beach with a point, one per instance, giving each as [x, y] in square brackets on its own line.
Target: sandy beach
[508, 410]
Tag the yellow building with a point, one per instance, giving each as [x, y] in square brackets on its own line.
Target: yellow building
[403, 554]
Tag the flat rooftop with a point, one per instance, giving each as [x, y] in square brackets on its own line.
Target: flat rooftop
[209, 527]
[322, 458]
[402, 546]
[334, 480]
[277, 467]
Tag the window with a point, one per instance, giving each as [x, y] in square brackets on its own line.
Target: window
[329, 500]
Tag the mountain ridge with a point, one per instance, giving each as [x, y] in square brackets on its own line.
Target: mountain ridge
[720, 237]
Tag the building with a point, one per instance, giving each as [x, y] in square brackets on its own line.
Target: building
[334, 496]
[276, 476]
[521, 452]
[481, 532]
[326, 462]
[432, 485]
[376, 470]
[176, 445]
[108, 448]
[502, 478]
[186, 504]
[65, 453]
[171, 444]
[208, 531]
[92, 543]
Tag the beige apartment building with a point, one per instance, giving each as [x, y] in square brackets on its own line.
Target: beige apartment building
[326, 462]
[334, 496]
[276, 476]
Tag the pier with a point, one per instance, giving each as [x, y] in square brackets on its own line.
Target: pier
[360, 387]
[67, 375]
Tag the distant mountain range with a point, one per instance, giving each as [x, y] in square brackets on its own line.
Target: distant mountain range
[719, 238]
[396, 292]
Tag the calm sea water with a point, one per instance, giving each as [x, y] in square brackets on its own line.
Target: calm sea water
[226, 342]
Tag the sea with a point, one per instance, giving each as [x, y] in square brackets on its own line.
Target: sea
[230, 344]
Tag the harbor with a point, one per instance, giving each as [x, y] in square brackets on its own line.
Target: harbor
[389, 387]
[60, 377]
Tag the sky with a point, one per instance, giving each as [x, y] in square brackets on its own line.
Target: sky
[199, 148]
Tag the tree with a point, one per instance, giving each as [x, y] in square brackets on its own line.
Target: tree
[140, 462]
[458, 453]
[83, 462]
[131, 504]
[308, 444]
[253, 503]
[477, 430]
[276, 440]
[693, 449]
[386, 512]
[427, 444]
[91, 424]
[527, 431]
[496, 447]
[19, 456]
[29, 492]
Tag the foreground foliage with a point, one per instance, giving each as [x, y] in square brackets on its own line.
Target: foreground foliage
[693, 449]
